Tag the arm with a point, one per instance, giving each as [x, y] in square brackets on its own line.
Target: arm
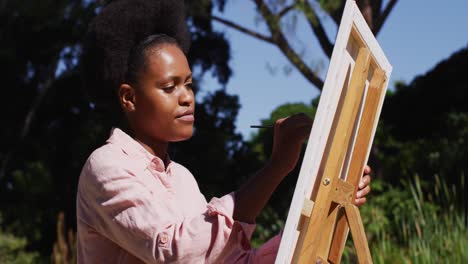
[289, 135]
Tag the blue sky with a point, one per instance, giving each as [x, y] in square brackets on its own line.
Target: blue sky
[416, 36]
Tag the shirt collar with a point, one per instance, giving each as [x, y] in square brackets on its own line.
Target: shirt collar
[134, 149]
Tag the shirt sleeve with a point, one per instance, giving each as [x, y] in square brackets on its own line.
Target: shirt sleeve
[266, 254]
[117, 204]
[268, 251]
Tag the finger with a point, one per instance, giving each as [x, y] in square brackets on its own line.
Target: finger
[303, 128]
[299, 115]
[365, 181]
[362, 193]
[360, 201]
[279, 121]
[367, 169]
[293, 122]
[299, 128]
[304, 134]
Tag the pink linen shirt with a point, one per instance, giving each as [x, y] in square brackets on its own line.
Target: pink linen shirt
[133, 209]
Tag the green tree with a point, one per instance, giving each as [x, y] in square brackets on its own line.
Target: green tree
[424, 125]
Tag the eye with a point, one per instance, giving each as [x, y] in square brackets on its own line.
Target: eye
[169, 89]
[190, 86]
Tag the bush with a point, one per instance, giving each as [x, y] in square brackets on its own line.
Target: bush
[12, 250]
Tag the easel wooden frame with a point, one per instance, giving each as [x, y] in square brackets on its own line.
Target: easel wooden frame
[348, 113]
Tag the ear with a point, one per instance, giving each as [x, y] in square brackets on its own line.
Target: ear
[127, 97]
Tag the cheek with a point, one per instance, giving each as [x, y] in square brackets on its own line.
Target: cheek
[149, 114]
[158, 107]
[159, 116]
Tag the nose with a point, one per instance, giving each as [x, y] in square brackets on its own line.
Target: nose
[186, 96]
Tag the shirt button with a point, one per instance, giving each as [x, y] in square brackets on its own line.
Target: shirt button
[157, 165]
[163, 238]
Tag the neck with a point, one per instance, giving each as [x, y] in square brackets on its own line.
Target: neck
[155, 147]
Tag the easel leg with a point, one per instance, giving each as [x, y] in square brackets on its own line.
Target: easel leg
[339, 238]
[328, 228]
[357, 231]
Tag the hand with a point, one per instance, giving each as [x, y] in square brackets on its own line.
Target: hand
[289, 134]
[364, 187]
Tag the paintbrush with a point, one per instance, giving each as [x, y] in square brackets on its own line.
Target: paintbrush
[261, 126]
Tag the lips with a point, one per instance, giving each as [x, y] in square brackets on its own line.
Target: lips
[186, 116]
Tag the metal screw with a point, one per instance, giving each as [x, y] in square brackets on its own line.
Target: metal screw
[326, 181]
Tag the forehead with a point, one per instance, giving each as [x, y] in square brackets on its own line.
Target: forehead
[166, 60]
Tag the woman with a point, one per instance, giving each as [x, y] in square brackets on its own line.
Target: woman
[136, 205]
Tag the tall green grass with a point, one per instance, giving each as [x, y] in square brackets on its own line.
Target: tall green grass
[417, 222]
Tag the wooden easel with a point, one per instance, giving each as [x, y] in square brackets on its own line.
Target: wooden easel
[326, 225]
[322, 210]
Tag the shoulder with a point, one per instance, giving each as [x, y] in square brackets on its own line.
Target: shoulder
[177, 167]
[181, 171]
[106, 157]
[183, 174]
[105, 164]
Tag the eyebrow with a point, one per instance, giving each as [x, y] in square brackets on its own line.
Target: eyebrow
[178, 77]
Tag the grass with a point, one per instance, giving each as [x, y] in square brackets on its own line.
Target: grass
[418, 222]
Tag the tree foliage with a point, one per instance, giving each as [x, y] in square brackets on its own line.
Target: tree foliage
[12, 250]
[424, 124]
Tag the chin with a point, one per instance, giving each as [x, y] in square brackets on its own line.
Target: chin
[182, 136]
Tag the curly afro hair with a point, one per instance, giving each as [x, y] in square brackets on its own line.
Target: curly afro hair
[112, 35]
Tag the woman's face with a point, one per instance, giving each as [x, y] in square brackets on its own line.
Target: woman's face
[163, 99]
